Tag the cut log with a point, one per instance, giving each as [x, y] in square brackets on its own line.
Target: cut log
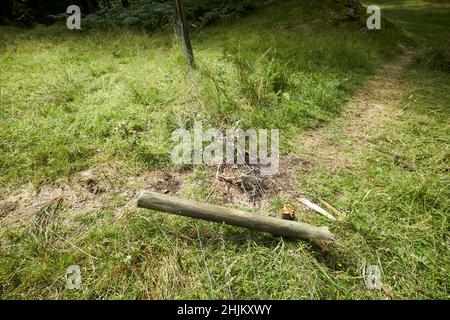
[183, 207]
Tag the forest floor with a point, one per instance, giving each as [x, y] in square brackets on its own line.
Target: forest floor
[366, 137]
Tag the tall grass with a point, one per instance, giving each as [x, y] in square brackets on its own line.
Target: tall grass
[117, 95]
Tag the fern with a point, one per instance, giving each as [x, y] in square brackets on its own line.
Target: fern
[156, 14]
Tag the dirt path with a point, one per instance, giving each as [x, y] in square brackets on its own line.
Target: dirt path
[332, 147]
[338, 144]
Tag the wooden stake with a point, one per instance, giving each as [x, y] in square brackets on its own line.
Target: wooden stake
[185, 33]
[178, 206]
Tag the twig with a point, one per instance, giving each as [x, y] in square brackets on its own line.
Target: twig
[316, 208]
[332, 208]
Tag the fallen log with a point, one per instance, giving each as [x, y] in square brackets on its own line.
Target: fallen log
[183, 207]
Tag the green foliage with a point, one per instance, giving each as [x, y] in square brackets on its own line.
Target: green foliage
[117, 95]
[436, 58]
[32, 11]
[155, 14]
[146, 14]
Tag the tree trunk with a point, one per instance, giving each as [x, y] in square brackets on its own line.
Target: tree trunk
[125, 3]
[185, 33]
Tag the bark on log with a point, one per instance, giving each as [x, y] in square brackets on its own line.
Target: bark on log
[183, 207]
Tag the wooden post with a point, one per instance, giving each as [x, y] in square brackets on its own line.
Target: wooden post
[165, 203]
[184, 31]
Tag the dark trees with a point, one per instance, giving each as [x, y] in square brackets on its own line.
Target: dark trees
[6, 9]
[89, 6]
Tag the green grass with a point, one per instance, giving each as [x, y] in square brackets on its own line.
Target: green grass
[426, 24]
[423, 21]
[397, 197]
[118, 95]
[78, 101]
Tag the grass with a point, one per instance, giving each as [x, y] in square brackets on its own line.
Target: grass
[78, 101]
[426, 28]
[118, 95]
[397, 198]
[423, 21]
